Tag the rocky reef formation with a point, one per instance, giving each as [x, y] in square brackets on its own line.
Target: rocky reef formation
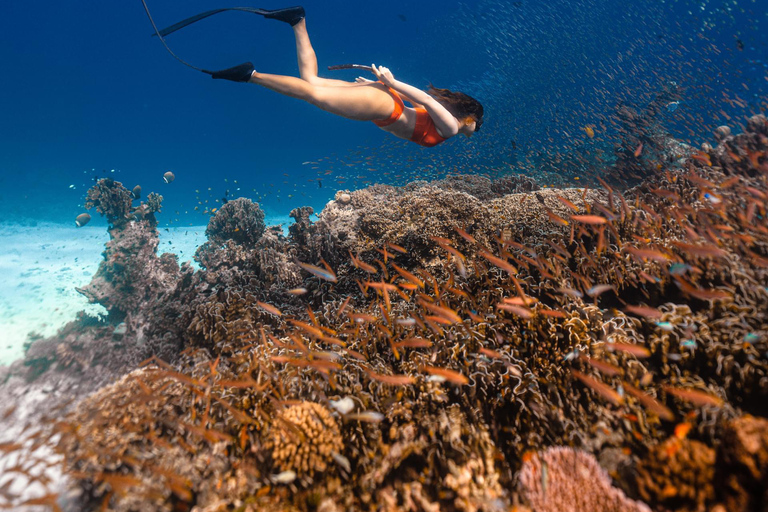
[442, 346]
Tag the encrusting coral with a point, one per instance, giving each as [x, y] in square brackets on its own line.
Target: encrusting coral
[422, 343]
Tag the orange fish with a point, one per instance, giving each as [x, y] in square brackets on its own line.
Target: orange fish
[490, 353]
[466, 236]
[556, 218]
[589, 219]
[600, 388]
[695, 397]
[704, 250]
[702, 158]
[408, 276]
[643, 311]
[307, 328]
[502, 264]
[682, 429]
[700, 293]
[381, 286]
[269, 308]
[397, 248]
[603, 367]
[444, 373]
[629, 348]
[551, 313]
[517, 310]
[446, 313]
[568, 203]
[648, 254]
[649, 402]
[392, 380]
[413, 343]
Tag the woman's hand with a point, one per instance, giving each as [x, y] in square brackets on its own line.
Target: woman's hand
[362, 80]
[384, 75]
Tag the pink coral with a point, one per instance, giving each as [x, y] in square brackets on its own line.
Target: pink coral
[563, 479]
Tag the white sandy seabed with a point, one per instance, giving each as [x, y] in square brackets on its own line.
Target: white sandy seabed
[41, 266]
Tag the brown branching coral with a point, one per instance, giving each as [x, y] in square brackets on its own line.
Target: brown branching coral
[304, 438]
[561, 478]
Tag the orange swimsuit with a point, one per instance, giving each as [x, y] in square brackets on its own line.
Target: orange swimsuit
[424, 133]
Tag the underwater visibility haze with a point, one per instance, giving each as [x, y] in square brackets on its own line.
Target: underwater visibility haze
[215, 296]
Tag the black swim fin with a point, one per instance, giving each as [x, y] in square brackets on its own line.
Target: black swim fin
[241, 73]
[290, 15]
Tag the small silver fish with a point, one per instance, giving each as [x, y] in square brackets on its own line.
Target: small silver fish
[285, 477]
[665, 326]
[342, 461]
[367, 416]
[344, 406]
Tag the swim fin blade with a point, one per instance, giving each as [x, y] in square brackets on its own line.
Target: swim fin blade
[241, 73]
[290, 15]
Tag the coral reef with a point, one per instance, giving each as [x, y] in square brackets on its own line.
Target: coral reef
[412, 347]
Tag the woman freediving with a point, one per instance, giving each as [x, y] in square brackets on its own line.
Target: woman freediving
[435, 115]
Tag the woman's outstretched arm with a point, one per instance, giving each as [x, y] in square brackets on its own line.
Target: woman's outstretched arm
[405, 97]
[444, 120]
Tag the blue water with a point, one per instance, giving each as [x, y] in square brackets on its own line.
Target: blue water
[86, 92]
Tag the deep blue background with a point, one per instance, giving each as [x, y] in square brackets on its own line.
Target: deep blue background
[85, 90]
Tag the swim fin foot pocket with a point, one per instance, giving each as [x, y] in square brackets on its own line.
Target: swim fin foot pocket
[241, 73]
[290, 15]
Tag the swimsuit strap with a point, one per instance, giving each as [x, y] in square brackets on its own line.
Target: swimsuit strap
[396, 112]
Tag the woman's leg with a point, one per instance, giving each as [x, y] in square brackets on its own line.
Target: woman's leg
[308, 59]
[365, 102]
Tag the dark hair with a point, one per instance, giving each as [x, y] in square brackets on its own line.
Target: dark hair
[460, 105]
